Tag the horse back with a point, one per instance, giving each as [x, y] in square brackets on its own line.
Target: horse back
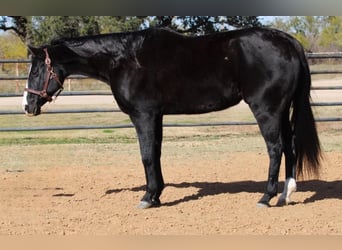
[182, 74]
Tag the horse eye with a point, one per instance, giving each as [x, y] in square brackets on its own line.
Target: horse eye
[34, 71]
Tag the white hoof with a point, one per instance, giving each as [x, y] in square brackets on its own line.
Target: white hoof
[289, 188]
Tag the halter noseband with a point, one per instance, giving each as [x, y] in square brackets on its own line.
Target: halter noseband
[50, 75]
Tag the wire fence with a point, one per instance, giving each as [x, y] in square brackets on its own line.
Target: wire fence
[314, 56]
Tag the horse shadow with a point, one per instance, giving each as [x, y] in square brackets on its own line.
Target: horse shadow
[322, 189]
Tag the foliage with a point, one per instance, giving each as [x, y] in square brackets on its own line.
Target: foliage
[43, 29]
[331, 37]
[37, 30]
[205, 24]
[316, 33]
[306, 29]
[11, 47]
[17, 24]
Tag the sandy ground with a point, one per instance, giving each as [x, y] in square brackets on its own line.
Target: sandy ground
[94, 189]
[212, 187]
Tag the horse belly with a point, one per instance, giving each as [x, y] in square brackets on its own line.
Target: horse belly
[197, 100]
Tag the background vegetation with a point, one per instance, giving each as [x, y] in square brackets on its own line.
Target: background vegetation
[317, 33]
[39, 30]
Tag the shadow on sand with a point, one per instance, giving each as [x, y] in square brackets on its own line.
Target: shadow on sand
[322, 189]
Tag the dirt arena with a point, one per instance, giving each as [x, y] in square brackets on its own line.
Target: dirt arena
[211, 188]
[214, 177]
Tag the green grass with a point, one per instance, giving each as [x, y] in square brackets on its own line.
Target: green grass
[44, 140]
[120, 136]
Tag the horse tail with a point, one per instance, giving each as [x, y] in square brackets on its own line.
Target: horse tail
[307, 145]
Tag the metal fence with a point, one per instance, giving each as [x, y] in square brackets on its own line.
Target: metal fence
[311, 56]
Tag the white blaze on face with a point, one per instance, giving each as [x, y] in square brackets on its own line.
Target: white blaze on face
[24, 101]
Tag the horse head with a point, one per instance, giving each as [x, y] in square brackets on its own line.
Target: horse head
[45, 79]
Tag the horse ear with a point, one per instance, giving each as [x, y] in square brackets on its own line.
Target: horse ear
[35, 51]
[32, 50]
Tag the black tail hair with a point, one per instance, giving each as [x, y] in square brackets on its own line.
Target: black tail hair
[307, 144]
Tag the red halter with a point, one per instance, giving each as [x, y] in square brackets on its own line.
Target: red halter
[50, 75]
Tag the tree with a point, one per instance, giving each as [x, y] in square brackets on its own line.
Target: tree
[109, 24]
[11, 47]
[37, 30]
[204, 24]
[331, 37]
[18, 24]
[307, 29]
[43, 29]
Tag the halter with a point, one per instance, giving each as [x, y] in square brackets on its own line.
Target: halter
[50, 75]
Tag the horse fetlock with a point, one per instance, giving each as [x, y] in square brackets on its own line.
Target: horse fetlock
[282, 201]
[149, 200]
[264, 201]
[289, 188]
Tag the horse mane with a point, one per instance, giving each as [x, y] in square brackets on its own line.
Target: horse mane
[116, 46]
[79, 41]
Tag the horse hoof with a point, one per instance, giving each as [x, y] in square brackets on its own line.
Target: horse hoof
[282, 202]
[262, 205]
[144, 205]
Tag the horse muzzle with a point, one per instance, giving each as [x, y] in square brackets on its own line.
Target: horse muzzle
[32, 111]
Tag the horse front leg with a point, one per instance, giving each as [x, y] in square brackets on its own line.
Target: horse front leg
[150, 132]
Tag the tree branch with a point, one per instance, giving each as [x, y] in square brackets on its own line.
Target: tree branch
[5, 28]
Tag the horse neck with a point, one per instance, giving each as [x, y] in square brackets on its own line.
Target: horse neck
[105, 53]
[97, 70]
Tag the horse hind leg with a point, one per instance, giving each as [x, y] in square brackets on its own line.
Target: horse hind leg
[270, 127]
[290, 185]
[274, 152]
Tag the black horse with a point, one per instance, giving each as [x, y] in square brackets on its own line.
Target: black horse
[155, 72]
